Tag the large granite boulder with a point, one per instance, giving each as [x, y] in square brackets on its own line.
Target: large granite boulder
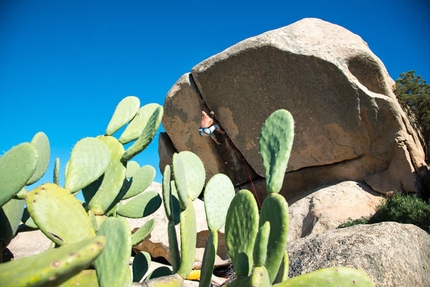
[393, 254]
[348, 123]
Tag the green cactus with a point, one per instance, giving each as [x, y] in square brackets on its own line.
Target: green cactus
[209, 255]
[140, 206]
[261, 242]
[112, 265]
[52, 267]
[141, 180]
[124, 113]
[275, 211]
[283, 269]
[218, 195]
[333, 276]
[16, 168]
[174, 280]
[188, 229]
[189, 176]
[146, 136]
[113, 178]
[132, 167]
[143, 232]
[260, 277]
[58, 214]
[141, 264]
[138, 124]
[99, 167]
[241, 228]
[10, 218]
[89, 159]
[41, 142]
[276, 141]
[85, 278]
[56, 175]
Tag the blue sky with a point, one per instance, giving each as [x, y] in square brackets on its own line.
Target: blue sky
[64, 65]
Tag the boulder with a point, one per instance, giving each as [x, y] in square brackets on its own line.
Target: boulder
[393, 254]
[29, 243]
[348, 123]
[325, 208]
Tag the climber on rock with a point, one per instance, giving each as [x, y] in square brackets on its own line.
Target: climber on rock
[208, 126]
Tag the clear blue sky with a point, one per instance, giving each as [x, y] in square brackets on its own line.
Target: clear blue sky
[64, 65]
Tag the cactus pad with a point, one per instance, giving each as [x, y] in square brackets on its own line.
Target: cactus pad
[16, 167]
[260, 248]
[140, 181]
[89, 159]
[146, 136]
[333, 276]
[188, 239]
[124, 113]
[112, 265]
[241, 229]
[132, 167]
[219, 192]
[143, 232]
[260, 277]
[275, 211]
[53, 266]
[189, 175]
[141, 263]
[138, 124]
[276, 141]
[209, 259]
[10, 218]
[56, 175]
[58, 214]
[140, 206]
[41, 142]
[113, 178]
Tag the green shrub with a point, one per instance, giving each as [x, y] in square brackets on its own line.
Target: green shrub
[404, 209]
[400, 208]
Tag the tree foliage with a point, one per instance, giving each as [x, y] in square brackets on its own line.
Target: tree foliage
[413, 93]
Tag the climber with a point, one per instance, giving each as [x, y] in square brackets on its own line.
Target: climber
[207, 126]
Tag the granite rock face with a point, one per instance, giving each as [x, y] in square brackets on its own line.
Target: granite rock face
[325, 208]
[393, 254]
[348, 123]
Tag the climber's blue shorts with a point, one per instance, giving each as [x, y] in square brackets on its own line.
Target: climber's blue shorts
[209, 131]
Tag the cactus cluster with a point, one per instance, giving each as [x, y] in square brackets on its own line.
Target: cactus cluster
[256, 241]
[95, 234]
[112, 185]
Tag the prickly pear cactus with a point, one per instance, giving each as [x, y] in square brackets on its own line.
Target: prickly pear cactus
[219, 193]
[275, 211]
[241, 228]
[10, 217]
[112, 265]
[146, 135]
[334, 276]
[41, 142]
[189, 176]
[124, 113]
[276, 141]
[58, 214]
[52, 267]
[16, 168]
[89, 159]
[113, 178]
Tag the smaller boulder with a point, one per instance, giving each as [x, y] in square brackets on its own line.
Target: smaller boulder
[327, 207]
[393, 254]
